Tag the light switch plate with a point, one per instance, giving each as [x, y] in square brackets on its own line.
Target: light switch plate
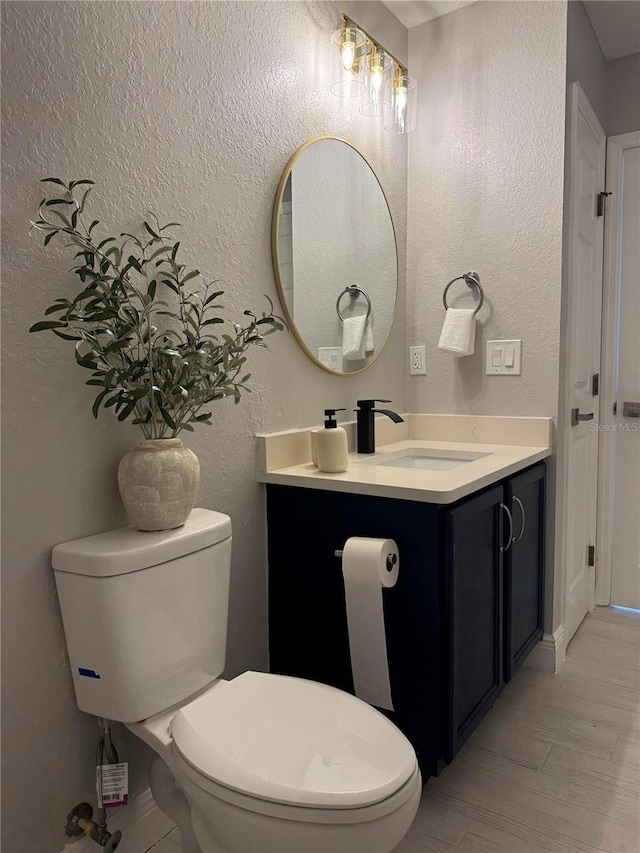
[503, 358]
[331, 357]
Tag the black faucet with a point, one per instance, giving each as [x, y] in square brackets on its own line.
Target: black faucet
[366, 423]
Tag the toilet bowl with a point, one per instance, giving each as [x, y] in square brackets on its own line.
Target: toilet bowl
[261, 763]
[274, 764]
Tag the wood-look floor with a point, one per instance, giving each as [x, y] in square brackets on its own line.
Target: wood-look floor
[555, 765]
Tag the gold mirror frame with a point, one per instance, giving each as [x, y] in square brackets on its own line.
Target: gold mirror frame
[275, 254]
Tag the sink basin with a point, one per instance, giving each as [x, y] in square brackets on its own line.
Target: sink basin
[424, 459]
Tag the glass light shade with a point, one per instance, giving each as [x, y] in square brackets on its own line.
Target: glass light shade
[347, 61]
[378, 65]
[403, 91]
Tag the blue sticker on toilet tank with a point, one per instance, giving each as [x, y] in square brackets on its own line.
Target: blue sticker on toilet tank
[88, 673]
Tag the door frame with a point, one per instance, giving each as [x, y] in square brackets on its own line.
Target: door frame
[612, 270]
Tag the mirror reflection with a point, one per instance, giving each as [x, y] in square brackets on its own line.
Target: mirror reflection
[335, 255]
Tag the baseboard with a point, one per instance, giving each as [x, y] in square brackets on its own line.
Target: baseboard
[141, 822]
[549, 653]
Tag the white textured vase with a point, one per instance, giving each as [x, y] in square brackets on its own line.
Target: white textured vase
[158, 481]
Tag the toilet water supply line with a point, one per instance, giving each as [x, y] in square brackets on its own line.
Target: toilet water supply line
[105, 750]
[79, 819]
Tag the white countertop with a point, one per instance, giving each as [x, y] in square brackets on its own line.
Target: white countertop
[440, 487]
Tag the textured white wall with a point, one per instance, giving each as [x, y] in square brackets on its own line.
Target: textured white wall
[192, 110]
[486, 165]
[486, 193]
[586, 63]
[623, 91]
[612, 87]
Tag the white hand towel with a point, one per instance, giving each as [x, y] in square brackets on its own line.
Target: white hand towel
[458, 332]
[369, 343]
[353, 337]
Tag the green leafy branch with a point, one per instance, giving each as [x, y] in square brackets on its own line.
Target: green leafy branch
[143, 322]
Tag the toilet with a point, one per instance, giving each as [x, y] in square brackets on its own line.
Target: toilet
[261, 763]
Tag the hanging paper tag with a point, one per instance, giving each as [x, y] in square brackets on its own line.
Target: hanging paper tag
[112, 785]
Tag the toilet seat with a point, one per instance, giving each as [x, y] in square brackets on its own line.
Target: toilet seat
[282, 740]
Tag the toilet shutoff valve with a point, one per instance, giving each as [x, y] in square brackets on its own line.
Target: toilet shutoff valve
[79, 822]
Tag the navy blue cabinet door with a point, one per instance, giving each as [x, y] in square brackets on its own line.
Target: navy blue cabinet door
[473, 533]
[524, 567]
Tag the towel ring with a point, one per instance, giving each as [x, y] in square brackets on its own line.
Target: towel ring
[353, 290]
[471, 279]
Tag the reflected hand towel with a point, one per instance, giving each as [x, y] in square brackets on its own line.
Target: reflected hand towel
[353, 337]
[369, 343]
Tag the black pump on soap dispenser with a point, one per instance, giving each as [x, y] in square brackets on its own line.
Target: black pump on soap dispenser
[330, 421]
[333, 455]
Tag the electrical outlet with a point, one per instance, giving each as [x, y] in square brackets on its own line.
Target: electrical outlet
[417, 361]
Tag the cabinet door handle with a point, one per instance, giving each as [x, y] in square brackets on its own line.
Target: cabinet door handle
[523, 518]
[510, 517]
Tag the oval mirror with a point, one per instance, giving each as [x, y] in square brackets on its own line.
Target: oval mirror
[334, 255]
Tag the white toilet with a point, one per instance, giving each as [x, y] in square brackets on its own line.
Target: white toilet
[259, 764]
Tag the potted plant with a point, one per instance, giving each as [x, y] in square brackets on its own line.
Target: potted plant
[148, 328]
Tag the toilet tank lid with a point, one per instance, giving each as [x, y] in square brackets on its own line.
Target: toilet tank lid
[125, 550]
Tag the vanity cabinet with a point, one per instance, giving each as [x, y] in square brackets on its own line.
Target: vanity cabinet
[465, 612]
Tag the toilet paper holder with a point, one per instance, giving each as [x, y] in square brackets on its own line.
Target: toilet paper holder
[392, 559]
[369, 568]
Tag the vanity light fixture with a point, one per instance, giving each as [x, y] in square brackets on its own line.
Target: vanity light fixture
[376, 102]
[347, 61]
[402, 116]
[363, 68]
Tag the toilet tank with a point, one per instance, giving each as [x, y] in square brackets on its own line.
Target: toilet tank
[145, 614]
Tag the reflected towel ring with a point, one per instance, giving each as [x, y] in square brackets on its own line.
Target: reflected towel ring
[353, 290]
[471, 279]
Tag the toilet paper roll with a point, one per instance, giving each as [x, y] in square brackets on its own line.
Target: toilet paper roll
[368, 566]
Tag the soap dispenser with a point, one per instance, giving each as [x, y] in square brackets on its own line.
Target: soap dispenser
[333, 457]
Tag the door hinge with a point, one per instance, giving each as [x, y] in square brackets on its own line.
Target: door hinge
[595, 384]
[591, 555]
[600, 205]
[615, 408]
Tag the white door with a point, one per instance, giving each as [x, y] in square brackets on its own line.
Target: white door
[625, 552]
[584, 308]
